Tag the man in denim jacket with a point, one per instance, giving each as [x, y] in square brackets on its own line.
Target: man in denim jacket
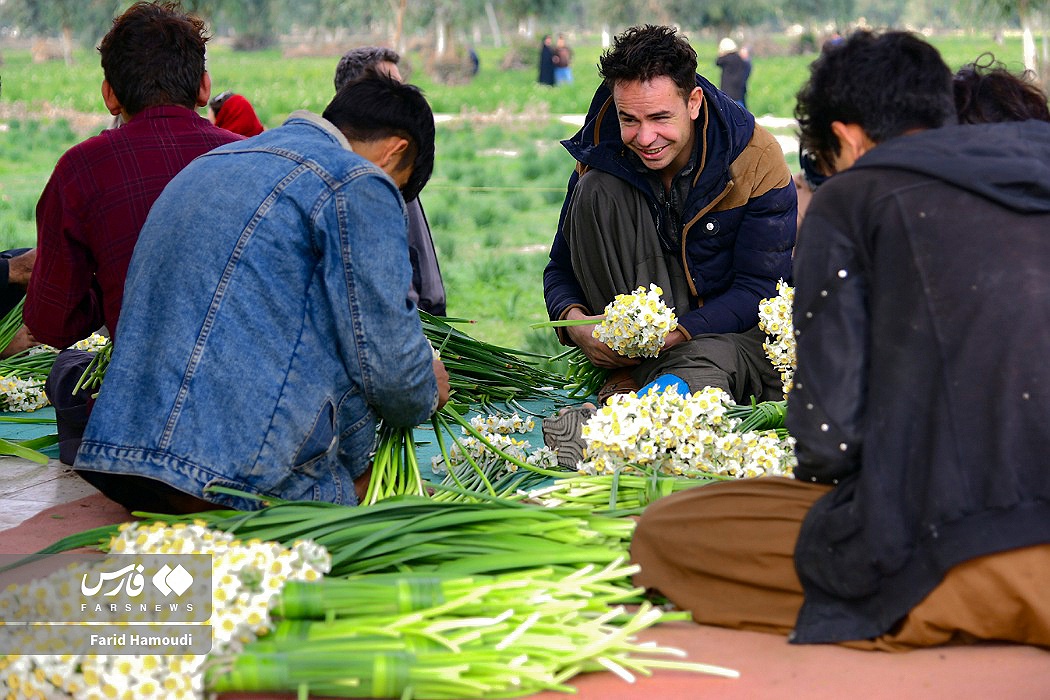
[263, 359]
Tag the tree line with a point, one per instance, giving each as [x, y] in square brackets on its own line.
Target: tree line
[255, 24]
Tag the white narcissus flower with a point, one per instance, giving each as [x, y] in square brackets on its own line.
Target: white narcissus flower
[689, 435]
[636, 324]
[93, 343]
[21, 395]
[774, 319]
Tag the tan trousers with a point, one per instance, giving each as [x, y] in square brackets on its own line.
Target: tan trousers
[725, 553]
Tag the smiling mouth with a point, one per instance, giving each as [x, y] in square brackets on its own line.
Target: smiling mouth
[652, 152]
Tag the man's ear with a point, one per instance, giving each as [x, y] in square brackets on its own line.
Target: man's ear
[393, 150]
[110, 99]
[204, 91]
[696, 98]
[853, 142]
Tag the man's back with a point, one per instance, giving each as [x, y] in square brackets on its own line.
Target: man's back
[926, 262]
[92, 209]
[291, 323]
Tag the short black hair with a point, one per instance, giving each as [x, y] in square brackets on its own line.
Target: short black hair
[644, 53]
[356, 62]
[154, 55]
[986, 91]
[887, 83]
[377, 106]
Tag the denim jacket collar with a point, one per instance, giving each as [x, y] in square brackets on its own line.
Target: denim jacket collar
[322, 124]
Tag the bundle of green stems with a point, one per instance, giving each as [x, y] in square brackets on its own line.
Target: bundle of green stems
[450, 636]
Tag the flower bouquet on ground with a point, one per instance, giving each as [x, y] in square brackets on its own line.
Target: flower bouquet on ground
[691, 435]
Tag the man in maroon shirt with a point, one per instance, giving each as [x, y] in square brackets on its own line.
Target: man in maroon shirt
[98, 197]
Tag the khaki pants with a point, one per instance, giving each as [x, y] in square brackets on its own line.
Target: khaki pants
[725, 552]
[616, 249]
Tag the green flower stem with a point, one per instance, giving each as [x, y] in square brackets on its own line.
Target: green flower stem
[451, 412]
[564, 323]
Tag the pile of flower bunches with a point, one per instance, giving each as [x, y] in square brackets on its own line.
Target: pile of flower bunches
[774, 319]
[498, 430]
[247, 576]
[22, 376]
[636, 324]
[689, 435]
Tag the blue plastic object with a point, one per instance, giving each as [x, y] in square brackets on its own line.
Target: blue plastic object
[663, 383]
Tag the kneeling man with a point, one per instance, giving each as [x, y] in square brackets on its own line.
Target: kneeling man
[267, 325]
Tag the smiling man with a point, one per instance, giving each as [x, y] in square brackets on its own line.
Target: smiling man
[675, 185]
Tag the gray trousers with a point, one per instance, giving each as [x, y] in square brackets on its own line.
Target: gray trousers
[615, 249]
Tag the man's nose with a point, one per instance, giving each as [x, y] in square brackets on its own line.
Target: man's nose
[646, 134]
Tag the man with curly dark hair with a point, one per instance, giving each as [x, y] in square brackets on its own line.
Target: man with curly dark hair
[675, 186]
[986, 91]
[919, 513]
[90, 213]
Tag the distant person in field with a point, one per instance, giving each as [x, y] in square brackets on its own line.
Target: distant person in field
[234, 113]
[736, 69]
[428, 288]
[562, 62]
[546, 61]
[90, 213]
[919, 514]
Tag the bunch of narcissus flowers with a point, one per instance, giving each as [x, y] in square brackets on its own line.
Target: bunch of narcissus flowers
[19, 395]
[246, 577]
[636, 324]
[93, 343]
[671, 433]
[22, 375]
[774, 319]
[498, 430]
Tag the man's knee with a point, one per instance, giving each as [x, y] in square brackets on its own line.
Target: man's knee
[71, 408]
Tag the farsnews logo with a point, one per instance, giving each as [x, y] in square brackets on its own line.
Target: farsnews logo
[130, 580]
[168, 580]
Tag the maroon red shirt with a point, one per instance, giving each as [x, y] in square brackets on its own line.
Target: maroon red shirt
[90, 213]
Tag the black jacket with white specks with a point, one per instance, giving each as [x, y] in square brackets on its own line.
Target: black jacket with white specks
[922, 307]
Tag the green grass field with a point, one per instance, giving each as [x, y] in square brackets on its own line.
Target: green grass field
[498, 184]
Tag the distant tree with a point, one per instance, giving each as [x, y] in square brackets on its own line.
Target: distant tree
[724, 15]
[1027, 13]
[69, 20]
[809, 12]
[254, 22]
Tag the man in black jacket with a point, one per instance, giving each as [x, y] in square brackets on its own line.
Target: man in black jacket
[920, 509]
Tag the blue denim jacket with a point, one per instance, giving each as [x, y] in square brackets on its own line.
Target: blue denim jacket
[266, 325]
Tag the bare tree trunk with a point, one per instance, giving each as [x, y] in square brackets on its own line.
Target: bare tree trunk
[1028, 49]
[67, 44]
[441, 41]
[493, 24]
[399, 25]
[1027, 39]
